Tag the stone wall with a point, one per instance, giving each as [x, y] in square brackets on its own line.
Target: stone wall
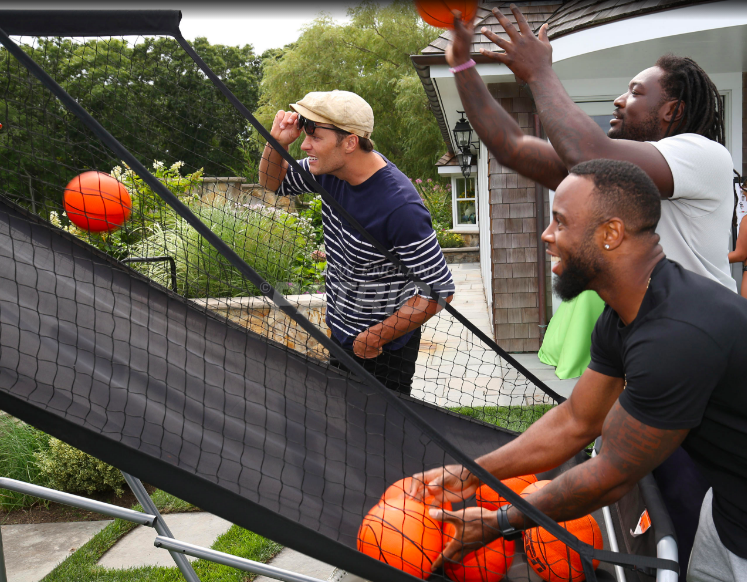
[263, 317]
[237, 190]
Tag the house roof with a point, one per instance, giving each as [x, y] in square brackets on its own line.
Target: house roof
[448, 159]
[563, 17]
[579, 14]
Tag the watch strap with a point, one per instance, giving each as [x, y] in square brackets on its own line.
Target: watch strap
[508, 531]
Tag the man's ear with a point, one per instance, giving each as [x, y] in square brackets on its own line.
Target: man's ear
[351, 142]
[613, 233]
[673, 111]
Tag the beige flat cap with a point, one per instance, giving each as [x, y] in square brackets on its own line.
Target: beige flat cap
[343, 109]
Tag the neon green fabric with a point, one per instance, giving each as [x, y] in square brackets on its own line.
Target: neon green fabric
[567, 343]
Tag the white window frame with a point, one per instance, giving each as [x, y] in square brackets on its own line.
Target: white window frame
[464, 228]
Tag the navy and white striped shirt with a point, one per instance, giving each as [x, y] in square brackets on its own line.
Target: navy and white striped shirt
[363, 287]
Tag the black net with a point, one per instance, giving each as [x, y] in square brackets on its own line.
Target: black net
[175, 320]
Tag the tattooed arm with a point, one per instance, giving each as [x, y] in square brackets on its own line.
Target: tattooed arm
[561, 433]
[532, 157]
[630, 450]
[574, 135]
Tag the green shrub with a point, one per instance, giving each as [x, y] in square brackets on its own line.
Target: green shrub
[19, 444]
[446, 239]
[269, 239]
[437, 199]
[67, 469]
[148, 208]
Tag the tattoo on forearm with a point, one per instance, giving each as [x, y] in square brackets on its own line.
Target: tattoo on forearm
[630, 450]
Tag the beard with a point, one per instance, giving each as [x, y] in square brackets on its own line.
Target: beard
[646, 130]
[578, 272]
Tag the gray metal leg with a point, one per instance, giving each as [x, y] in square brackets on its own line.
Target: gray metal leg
[160, 525]
[3, 575]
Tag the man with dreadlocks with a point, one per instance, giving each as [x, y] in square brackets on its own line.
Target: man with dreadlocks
[669, 123]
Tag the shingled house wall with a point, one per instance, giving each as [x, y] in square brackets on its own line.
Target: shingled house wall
[514, 237]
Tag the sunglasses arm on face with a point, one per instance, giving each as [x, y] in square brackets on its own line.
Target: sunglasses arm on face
[311, 126]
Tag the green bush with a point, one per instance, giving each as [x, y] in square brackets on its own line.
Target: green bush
[437, 199]
[148, 208]
[269, 239]
[446, 239]
[67, 469]
[19, 444]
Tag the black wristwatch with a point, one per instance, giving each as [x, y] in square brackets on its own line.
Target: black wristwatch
[744, 268]
[508, 531]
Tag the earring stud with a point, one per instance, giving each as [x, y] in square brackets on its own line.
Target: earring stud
[607, 247]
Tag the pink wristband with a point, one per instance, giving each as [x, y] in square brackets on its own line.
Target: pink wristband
[463, 66]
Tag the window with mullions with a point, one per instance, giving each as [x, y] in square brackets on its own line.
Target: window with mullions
[464, 202]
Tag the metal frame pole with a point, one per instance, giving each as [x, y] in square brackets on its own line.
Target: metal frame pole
[76, 501]
[3, 574]
[160, 526]
[611, 536]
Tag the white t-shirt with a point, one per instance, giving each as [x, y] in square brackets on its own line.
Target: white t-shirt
[695, 225]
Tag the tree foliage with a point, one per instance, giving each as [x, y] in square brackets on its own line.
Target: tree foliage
[151, 96]
[371, 57]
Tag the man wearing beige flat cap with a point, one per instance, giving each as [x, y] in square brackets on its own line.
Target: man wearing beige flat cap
[373, 310]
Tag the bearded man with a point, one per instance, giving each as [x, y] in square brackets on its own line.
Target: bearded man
[666, 370]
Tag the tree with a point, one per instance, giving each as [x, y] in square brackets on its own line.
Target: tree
[371, 57]
[150, 95]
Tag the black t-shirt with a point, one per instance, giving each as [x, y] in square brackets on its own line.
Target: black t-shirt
[684, 360]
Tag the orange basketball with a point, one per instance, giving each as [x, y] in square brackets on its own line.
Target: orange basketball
[552, 559]
[400, 533]
[96, 202]
[400, 490]
[533, 488]
[488, 564]
[438, 12]
[489, 499]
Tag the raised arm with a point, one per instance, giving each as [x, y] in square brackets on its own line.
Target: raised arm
[272, 166]
[574, 135]
[529, 156]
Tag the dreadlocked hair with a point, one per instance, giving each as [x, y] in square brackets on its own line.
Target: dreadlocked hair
[685, 81]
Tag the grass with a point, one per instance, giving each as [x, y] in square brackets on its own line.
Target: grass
[18, 444]
[516, 418]
[82, 567]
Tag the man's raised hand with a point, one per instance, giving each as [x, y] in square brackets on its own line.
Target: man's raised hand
[285, 127]
[458, 52]
[526, 55]
[449, 483]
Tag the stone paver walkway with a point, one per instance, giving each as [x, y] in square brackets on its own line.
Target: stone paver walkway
[296, 562]
[136, 549]
[32, 551]
[455, 368]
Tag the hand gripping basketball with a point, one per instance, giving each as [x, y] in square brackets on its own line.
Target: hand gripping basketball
[452, 483]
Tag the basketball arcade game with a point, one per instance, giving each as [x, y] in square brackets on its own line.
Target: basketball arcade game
[107, 359]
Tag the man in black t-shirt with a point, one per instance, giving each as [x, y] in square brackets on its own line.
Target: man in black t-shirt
[667, 370]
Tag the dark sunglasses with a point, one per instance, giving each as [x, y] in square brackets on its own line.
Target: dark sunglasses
[311, 126]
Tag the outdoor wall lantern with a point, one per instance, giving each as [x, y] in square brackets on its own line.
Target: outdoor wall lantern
[463, 139]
